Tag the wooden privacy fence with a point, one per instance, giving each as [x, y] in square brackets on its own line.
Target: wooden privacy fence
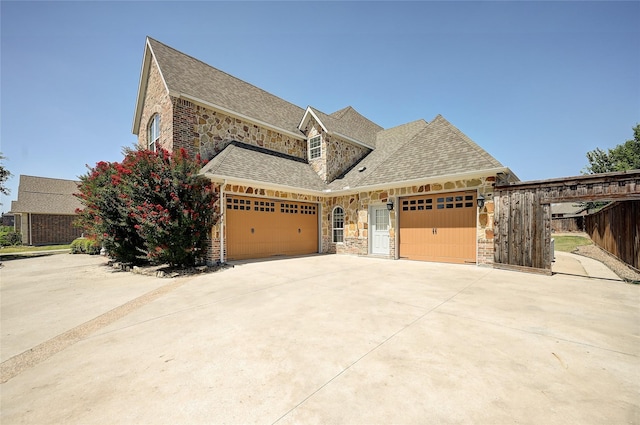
[568, 224]
[522, 215]
[616, 229]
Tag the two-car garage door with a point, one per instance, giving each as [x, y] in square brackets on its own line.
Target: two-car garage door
[439, 227]
[260, 228]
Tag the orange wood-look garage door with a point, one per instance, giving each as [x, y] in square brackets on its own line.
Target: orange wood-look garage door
[259, 228]
[439, 227]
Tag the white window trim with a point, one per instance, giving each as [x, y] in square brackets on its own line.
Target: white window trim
[333, 223]
[152, 145]
[319, 148]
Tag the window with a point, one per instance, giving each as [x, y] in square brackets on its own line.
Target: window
[154, 133]
[338, 225]
[315, 147]
[382, 220]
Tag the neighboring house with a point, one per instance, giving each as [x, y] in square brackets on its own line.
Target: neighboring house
[567, 210]
[568, 217]
[8, 219]
[45, 210]
[296, 181]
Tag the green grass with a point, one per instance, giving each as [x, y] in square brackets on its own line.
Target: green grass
[569, 243]
[28, 249]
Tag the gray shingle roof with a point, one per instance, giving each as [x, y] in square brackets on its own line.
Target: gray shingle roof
[568, 210]
[196, 79]
[387, 143]
[350, 123]
[43, 195]
[416, 150]
[439, 149]
[239, 160]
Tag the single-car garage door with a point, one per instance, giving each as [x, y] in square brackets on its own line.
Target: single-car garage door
[259, 228]
[439, 227]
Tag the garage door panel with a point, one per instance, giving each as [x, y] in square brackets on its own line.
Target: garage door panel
[438, 227]
[259, 228]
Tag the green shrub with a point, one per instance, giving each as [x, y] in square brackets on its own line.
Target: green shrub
[77, 246]
[85, 246]
[8, 237]
[92, 246]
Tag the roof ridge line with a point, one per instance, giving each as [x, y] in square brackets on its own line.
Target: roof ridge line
[224, 72]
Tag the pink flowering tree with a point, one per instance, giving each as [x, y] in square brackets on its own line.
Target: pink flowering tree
[152, 207]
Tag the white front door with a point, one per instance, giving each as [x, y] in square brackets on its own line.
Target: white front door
[379, 227]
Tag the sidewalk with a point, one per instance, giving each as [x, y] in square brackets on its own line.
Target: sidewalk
[567, 263]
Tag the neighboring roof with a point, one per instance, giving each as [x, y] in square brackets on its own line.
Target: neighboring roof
[246, 162]
[568, 210]
[190, 78]
[346, 123]
[43, 195]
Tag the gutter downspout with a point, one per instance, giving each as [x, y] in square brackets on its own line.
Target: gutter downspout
[30, 231]
[222, 218]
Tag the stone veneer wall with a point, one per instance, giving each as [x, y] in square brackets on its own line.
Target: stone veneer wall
[356, 208]
[319, 165]
[212, 132]
[341, 156]
[157, 101]
[337, 155]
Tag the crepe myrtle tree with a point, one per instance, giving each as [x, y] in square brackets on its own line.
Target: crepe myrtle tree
[152, 207]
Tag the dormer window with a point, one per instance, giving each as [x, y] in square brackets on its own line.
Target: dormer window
[154, 133]
[315, 147]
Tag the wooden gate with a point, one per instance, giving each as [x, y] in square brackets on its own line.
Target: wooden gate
[523, 214]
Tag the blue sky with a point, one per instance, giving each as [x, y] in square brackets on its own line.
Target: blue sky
[536, 84]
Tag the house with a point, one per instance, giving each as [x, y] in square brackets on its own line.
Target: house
[296, 181]
[568, 210]
[7, 219]
[45, 210]
[568, 217]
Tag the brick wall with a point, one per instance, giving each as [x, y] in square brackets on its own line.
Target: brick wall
[157, 101]
[53, 229]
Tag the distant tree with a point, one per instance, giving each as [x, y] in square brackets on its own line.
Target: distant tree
[4, 176]
[620, 158]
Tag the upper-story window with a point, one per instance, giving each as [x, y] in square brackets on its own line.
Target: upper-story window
[338, 225]
[315, 147]
[154, 133]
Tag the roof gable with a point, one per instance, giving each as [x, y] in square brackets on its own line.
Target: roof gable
[347, 123]
[192, 79]
[43, 195]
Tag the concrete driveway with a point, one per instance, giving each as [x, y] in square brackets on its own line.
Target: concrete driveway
[321, 339]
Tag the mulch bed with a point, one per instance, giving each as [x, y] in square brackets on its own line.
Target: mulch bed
[165, 271]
